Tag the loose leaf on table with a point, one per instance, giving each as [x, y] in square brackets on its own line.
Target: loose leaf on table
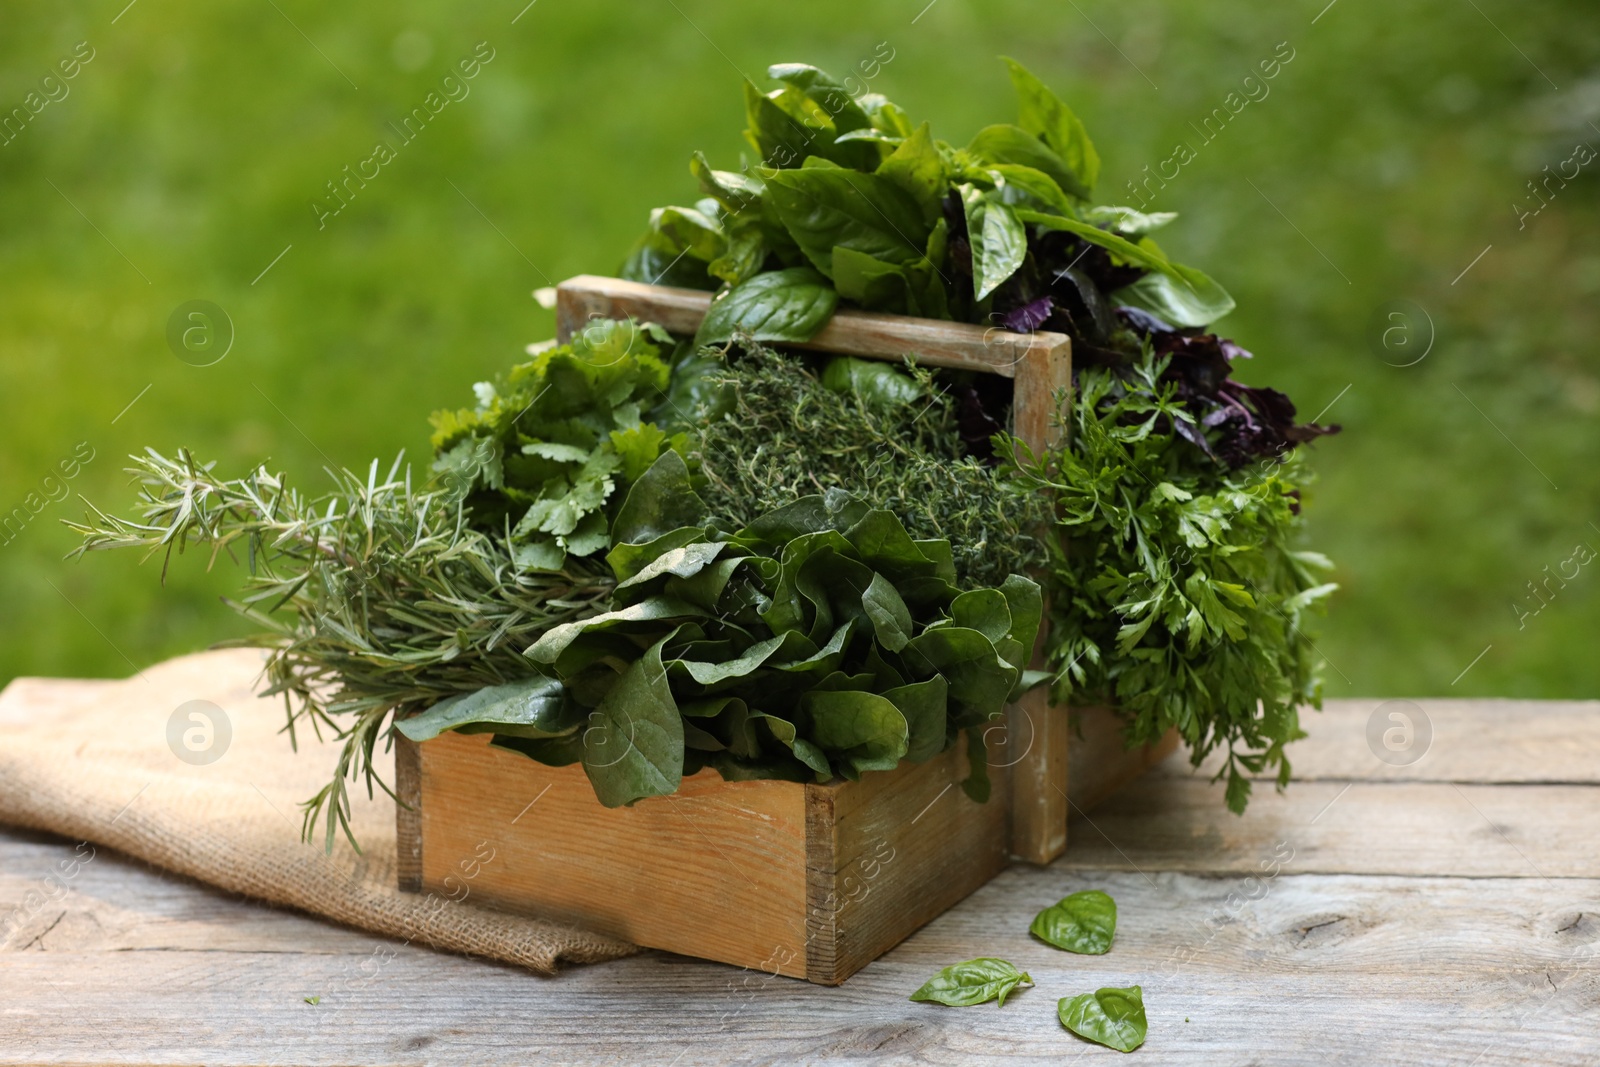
[1109, 1016]
[779, 305]
[1084, 923]
[978, 981]
[534, 707]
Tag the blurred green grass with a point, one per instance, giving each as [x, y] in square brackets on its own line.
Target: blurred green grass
[1385, 158]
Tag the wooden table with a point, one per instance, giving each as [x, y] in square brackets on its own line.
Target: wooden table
[1445, 912]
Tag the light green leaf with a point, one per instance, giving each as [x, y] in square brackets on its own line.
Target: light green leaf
[999, 242]
[734, 191]
[1127, 219]
[1084, 923]
[877, 383]
[917, 167]
[1004, 143]
[978, 981]
[1109, 1016]
[1043, 114]
[1181, 296]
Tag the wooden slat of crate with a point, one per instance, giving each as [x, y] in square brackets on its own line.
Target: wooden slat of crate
[810, 881]
[1041, 366]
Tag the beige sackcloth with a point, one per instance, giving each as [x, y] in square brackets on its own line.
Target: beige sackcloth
[91, 760]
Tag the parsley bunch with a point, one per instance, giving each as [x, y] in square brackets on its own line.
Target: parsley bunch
[1179, 596]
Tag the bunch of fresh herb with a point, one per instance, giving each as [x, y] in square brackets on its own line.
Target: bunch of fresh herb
[1179, 594]
[556, 438]
[821, 640]
[375, 598]
[852, 199]
[876, 431]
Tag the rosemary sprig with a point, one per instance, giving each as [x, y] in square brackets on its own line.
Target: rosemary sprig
[377, 599]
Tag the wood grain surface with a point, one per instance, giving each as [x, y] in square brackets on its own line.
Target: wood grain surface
[1444, 913]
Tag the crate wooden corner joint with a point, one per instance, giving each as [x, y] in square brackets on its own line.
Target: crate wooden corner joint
[811, 881]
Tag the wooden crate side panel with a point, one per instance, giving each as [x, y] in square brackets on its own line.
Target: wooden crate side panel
[716, 870]
[905, 846]
[1098, 764]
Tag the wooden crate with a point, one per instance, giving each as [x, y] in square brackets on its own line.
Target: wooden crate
[811, 881]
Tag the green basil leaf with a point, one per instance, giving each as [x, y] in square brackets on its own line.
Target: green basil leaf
[780, 305]
[978, 981]
[734, 191]
[871, 282]
[877, 383]
[1004, 143]
[917, 167]
[886, 115]
[1127, 219]
[1183, 297]
[778, 137]
[1035, 183]
[999, 241]
[534, 707]
[690, 230]
[1084, 923]
[1043, 114]
[828, 206]
[1110, 1016]
[827, 93]
[633, 747]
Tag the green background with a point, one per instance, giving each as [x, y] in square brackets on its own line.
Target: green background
[1389, 154]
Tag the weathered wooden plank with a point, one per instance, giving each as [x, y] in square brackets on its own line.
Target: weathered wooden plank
[957, 345]
[1315, 970]
[1472, 741]
[1177, 822]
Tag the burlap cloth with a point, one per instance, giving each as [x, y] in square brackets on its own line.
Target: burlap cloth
[91, 760]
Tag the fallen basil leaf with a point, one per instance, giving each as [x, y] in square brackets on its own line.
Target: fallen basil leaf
[1110, 1016]
[978, 981]
[1084, 923]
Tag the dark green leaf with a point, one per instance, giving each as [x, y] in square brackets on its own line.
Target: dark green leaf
[1084, 923]
[534, 707]
[866, 729]
[978, 981]
[1026, 601]
[984, 610]
[662, 501]
[1111, 1017]
[979, 679]
[925, 707]
[870, 282]
[1035, 183]
[891, 620]
[828, 206]
[633, 746]
[779, 305]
